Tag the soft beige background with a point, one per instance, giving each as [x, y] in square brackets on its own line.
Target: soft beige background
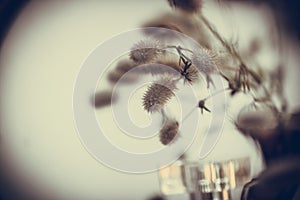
[40, 60]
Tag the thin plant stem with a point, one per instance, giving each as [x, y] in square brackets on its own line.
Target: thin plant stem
[164, 115]
[232, 51]
[189, 114]
[215, 93]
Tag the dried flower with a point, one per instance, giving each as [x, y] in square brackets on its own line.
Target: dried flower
[122, 67]
[158, 94]
[125, 65]
[103, 99]
[169, 131]
[206, 61]
[186, 5]
[146, 51]
[116, 76]
[188, 71]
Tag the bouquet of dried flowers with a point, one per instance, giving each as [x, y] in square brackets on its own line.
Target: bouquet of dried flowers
[266, 119]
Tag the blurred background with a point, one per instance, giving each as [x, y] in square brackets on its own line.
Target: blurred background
[42, 156]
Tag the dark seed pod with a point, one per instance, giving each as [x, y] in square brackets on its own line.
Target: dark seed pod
[104, 98]
[201, 105]
[169, 131]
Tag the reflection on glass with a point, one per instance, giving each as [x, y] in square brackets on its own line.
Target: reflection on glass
[212, 180]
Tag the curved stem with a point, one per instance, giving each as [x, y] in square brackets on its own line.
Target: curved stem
[230, 50]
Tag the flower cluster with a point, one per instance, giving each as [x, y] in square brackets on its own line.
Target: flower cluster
[172, 64]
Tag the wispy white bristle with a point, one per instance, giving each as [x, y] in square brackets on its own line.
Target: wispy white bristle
[205, 60]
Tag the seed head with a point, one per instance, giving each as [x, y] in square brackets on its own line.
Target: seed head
[146, 51]
[169, 131]
[158, 94]
[205, 60]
